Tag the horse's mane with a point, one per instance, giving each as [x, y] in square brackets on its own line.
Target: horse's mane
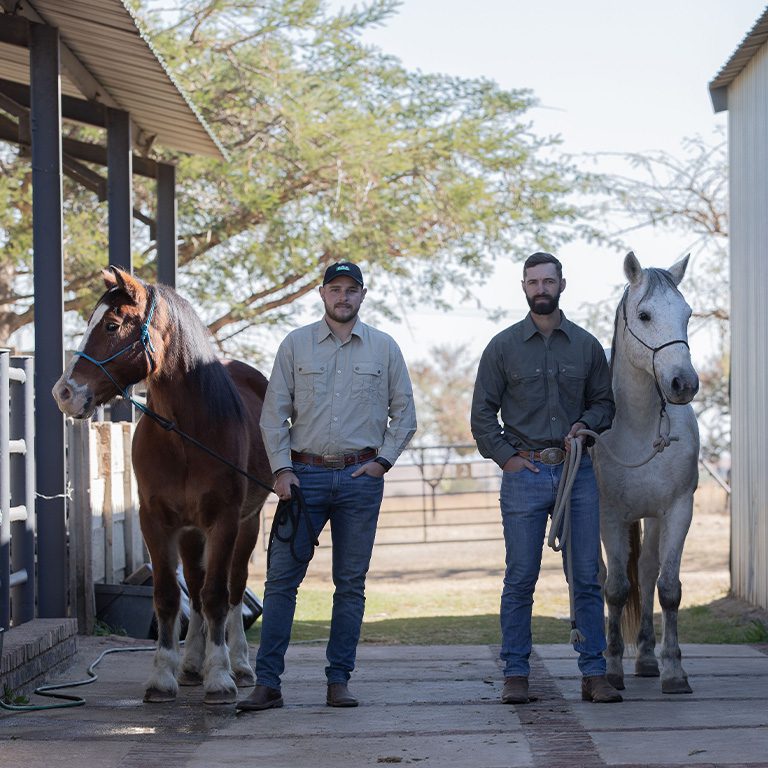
[656, 278]
[190, 350]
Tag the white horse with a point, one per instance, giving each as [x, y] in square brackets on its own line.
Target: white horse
[653, 384]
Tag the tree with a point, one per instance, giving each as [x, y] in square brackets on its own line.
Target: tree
[443, 391]
[335, 152]
[687, 194]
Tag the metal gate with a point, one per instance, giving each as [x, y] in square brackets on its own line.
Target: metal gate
[433, 495]
[17, 490]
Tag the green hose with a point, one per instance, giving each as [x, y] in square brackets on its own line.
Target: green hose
[69, 699]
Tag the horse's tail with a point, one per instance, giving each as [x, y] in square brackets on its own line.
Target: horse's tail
[630, 621]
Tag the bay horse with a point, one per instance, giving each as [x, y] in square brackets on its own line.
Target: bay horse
[190, 503]
[653, 384]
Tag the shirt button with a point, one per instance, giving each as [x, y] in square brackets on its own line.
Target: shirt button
[335, 418]
[554, 418]
[338, 394]
[339, 372]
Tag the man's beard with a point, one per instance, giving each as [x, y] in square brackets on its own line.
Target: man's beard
[542, 304]
[342, 314]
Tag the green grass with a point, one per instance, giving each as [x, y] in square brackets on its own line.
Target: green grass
[427, 619]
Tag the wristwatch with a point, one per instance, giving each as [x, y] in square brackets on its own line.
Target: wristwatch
[384, 463]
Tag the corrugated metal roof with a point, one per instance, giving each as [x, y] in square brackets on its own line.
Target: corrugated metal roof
[122, 68]
[755, 39]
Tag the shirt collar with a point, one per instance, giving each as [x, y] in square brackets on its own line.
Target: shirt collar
[324, 330]
[530, 329]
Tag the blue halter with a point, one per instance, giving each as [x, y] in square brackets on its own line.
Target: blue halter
[145, 341]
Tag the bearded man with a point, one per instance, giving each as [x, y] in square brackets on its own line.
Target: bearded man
[549, 379]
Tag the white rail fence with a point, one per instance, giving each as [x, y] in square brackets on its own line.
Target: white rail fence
[105, 544]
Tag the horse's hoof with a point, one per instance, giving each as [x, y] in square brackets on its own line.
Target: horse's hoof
[647, 668]
[244, 679]
[189, 677]
[156, 696]
[220, 697]
[676, 685]
[617, 681]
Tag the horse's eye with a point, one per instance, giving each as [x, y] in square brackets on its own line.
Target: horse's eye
[644, 316]
[111, 326]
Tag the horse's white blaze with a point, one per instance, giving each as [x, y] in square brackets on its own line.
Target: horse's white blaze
[78, 394]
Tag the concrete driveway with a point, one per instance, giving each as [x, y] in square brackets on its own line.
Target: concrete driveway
[426, 705]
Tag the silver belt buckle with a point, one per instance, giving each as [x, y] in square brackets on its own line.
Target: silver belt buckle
[552, 456]
[333, 460]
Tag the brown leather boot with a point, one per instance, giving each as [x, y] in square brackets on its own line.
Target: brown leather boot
[261, 697]
[339, 696]
[597, 689]
[515, 690]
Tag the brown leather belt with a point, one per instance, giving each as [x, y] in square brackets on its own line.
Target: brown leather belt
[334, 460]
[545, 455]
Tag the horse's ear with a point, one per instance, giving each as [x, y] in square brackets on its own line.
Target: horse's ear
[114, 277]
[677, 270]
[632, 268]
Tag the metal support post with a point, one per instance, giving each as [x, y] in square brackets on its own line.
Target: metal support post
[48, 266]
[120, 202]
[167, 254]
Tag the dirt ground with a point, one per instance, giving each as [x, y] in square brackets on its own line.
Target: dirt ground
[468, 568]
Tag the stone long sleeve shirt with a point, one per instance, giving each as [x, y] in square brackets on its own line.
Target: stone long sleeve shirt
[325, 396]
[541, 387]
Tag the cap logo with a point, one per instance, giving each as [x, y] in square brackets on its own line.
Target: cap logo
[342, 266]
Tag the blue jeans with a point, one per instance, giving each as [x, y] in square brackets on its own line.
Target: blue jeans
[352, 506]
[527, 501]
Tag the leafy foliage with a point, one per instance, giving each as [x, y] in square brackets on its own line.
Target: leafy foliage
[335, 151]
[686, 194]
[443, 390]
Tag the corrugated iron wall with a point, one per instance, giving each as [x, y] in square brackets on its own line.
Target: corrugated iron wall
[748, 155]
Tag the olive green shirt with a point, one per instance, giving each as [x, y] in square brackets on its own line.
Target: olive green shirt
[325, 396]
[541, 386]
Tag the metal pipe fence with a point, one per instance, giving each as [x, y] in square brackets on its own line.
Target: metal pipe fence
[17, 490]
[434, 494]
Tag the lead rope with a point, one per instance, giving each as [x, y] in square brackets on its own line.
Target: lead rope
[560, 528]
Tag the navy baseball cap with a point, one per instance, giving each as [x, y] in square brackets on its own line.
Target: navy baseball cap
[341, 269]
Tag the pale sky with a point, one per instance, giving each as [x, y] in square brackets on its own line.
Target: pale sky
[610, 76]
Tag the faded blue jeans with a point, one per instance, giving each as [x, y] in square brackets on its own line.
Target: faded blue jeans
[352, 506]
[527, 501]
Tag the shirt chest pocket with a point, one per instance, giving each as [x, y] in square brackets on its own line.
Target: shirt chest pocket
[310, 381]
[526, 386]
[571, 382]
[367, 381]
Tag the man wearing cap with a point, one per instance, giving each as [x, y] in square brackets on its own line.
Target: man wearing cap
[549, 379]
[337, 414]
